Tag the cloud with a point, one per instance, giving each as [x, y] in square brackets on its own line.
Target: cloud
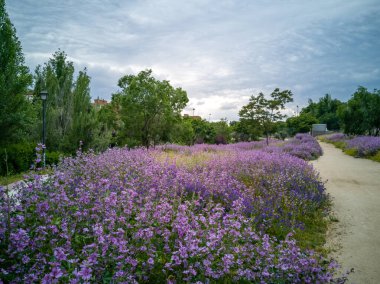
[220, 52]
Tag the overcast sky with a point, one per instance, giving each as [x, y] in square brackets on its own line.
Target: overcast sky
[220, 52]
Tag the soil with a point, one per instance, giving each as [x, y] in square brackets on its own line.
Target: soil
[354, 239]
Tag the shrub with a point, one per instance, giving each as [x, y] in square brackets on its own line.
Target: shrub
[53, 158]
[19, 158]
[303, 146]
[364, 145]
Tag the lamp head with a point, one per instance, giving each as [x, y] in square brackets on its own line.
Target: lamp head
[43, 95]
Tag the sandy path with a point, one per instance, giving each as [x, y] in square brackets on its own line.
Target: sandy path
[354, 185]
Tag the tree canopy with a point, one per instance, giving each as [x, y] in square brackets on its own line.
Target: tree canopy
[301, 123]
[263, 112]
[325, 111]
[361, 114]
[15, 117]
[149, 108]
[70, 117]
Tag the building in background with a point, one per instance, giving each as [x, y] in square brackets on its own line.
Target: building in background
[99, 103]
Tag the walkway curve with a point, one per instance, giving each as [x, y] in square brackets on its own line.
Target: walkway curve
[354, 185]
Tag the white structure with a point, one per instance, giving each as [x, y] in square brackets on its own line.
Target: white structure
[318, 129]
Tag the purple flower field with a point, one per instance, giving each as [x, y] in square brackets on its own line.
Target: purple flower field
[363, 146]
[200, 214]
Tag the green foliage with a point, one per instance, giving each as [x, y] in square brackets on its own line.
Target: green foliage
[17, 158]
[313, 235]
[281, 130]
[244, 130]
[222, 132]
[361, 114]
[352, 152]
[16, 113]
[325, 111]
[264, 112]
[203, 131]
[53, 157]
[70, 116]
[376, 157]
[183, 133]
[301, 123]
[149, 108]
[5, 180]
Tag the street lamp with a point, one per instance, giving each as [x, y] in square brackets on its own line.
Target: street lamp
[43, 95]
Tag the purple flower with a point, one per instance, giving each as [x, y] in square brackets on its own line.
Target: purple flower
[151, 261]
[85, 273]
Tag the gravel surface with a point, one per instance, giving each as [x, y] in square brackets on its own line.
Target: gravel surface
[354, 239]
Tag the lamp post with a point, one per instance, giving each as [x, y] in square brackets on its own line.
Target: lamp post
[43, 95]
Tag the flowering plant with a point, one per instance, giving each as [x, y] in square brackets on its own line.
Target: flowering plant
[144, 216]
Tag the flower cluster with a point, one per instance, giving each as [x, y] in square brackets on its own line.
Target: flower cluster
[144, 216]
[37, 165]
[364, 145]
[359, 146]
[336, 137]
[303, 146]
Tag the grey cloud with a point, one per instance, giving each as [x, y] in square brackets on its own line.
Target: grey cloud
[228, 107]
[211, 49]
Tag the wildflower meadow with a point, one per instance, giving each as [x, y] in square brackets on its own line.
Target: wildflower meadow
[174, 214]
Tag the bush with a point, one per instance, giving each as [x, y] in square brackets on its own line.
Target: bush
[17, 158]
[52, 158]
[376, 157]
[364, 145]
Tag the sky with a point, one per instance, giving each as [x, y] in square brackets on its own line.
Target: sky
[220, 52]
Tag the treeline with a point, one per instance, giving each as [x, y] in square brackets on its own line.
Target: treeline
[360, 115]
[144, 112]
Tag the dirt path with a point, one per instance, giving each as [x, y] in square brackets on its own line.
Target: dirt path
[354, 185]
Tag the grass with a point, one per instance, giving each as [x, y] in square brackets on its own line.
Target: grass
[351, 152]
[5, 180]
[187, 160]
[313, 236]
[376, 157]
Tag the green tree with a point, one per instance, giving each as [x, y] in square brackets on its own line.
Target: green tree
[245, 130]
[264, 112]
[361, 114]
[16, 113]
[222, 132]
[84, 126]
[326, 111]
[203, 131]
[301, 123]
[149, 108]
[70, 117]
[183, 132]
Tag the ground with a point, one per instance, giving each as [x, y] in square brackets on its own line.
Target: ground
[354, 185]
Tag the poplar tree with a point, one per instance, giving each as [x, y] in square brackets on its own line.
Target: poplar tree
[70, 117]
